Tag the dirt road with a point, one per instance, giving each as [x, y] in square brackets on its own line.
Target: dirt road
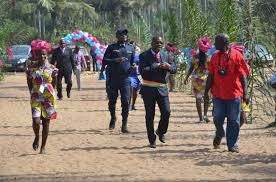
[81, 148]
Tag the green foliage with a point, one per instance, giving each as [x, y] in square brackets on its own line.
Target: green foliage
[140, 33]
[15, 32]
[103, 32]
[196, 24]
[173, 32]
[227, 21]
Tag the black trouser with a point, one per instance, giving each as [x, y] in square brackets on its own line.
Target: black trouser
[94, 63]
[123, 86]
[68, 80]
[150, 97]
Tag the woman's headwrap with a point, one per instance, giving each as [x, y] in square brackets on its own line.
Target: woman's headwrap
[38, 45]
[171, 48]
[237, 47]
[204, 44]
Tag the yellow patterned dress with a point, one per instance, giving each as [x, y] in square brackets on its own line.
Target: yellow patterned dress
[199, 77]
[43, 97]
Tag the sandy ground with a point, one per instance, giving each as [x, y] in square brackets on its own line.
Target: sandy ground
[81, 148]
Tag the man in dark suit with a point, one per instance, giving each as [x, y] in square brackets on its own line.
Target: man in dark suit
[62, 58]
[154, 66]
[119, 58]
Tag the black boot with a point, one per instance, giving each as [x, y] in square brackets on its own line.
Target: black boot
[68, 90]
[124, 127]
[112, 123]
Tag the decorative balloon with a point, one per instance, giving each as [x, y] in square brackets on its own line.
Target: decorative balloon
[86, 37]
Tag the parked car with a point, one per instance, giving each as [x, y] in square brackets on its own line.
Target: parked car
[261, 54]
[20, 54]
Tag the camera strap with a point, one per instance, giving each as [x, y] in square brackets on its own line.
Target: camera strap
[227, 58]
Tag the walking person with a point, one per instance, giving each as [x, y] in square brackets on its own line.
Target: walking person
[154, 66]
[172, 51]
[199, 72]
[42, 81]
[227, 79]
[134, 78]
[79, 64]
[62, 58]
[119, 58]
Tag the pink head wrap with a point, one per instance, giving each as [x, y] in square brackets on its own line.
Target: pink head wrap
[171, 48]
[204, 44]
[38, 45]
[237, 47]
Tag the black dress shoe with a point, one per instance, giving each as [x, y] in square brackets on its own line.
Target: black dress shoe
[234, 150]
[216, 142]
[68, 95]
[112, 123]
[124, 129]
[152, 145]
[161, 137]
[59, 98]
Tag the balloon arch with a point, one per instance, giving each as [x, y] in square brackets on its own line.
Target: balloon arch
[85, 37]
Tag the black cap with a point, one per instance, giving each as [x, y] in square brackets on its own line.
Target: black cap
[122, 31]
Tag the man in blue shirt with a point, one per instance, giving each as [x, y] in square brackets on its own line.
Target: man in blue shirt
[119, 58]
[154, 66]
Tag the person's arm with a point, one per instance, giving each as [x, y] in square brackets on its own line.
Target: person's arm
[145, 67]
[54, 77]
[72, 59]
[244, 72]
[244, 87]
[190, 71]
[209, 83]
[30, 83]
[107, 60]
[83, 61]
[172, 68]
[132, 57]
[54, 58]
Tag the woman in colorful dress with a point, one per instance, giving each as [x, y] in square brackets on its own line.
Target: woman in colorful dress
[199, 71]
[42, 76]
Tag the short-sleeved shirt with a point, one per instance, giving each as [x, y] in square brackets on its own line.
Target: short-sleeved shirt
[228, 86]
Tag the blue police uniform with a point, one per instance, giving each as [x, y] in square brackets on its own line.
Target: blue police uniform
[154, 89]
[118, 74]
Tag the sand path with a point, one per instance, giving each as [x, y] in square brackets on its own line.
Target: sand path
[81, 148]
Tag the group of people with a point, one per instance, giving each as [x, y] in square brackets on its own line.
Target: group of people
[225, 75]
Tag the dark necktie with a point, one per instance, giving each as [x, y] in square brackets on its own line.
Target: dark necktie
[156, 57]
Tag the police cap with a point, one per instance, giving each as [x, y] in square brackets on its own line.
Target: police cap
[122, 31]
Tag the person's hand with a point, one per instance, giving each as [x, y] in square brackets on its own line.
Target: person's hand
[156, 65]
[165, 66]
[185, 81]
[120, 59]
[246, 98]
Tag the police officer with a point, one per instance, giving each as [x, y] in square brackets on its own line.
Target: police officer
[154, 66]
[119, 58]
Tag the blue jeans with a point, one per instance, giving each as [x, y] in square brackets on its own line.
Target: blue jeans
[229, 109]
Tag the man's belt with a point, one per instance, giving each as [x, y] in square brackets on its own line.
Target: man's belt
[154, 84]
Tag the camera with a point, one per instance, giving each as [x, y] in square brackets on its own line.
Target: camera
[222, 71]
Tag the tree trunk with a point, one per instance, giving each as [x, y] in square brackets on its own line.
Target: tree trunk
[35, 20]
[43, 26]
[39, 23]
[161, 18]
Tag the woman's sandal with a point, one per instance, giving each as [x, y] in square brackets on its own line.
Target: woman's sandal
[36, 143]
